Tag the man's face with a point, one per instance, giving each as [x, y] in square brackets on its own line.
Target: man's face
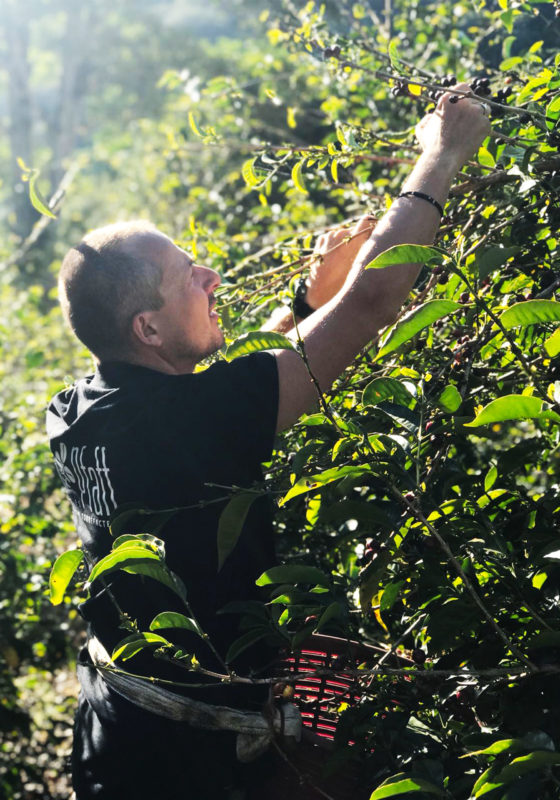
[187, 323]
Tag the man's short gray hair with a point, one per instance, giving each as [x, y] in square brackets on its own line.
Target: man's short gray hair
[104, 282]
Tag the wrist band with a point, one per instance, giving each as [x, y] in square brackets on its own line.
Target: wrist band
[423, 196]
[301, 307]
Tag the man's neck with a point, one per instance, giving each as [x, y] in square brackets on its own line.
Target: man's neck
[158, 362]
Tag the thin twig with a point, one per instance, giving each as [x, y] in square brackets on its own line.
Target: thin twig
[404, 672]
[43, 222]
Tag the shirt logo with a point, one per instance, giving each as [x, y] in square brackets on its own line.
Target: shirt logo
[86, 478]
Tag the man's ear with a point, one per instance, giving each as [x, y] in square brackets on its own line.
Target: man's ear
[145, 330]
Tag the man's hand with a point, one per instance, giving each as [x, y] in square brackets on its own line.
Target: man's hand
[333, 257]
[454, 130]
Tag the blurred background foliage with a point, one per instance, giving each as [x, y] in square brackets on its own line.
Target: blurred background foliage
[243, 129]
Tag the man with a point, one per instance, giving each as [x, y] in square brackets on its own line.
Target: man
[147, 429]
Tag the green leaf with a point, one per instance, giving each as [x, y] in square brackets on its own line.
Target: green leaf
[532, 739]
[392, 52]
[332, 611]
[23, 166]
[138, 558]
[487, 786]
[552, 344]
[490, 478]
[407, 254]
[132, 516]
[553, 110]
[194, 127]
[524, 764]
[248, 173]
[401, 784]
[314, 482]
[334, 170]
[125, 555]
[403, 416]
[415, 321]
[292, 573]
[507, 19]
[450, 399]
[385, 389]
[254, 341]
[486, 158]
[340, 136]
[157, 571]
[62, 573]
[365, 512]
[170, 619]
[510, 63]
[369, 584]
[531, 312]
[31, 176]
[495, 748]
[142, 540]
[296, 176]
[137, 641]
[482, 779]
[512, 407]
[245, 641]
[492, 258]
[389, 595]
[231, 523]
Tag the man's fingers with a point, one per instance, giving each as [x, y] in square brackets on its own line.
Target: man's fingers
[362, 229]
[364, 225]
[461, 87]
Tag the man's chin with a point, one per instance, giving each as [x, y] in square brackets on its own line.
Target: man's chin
[220, 339]
[217, 344]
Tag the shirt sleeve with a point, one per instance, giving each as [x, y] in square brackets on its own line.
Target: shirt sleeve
[230, 408]
[246, 407]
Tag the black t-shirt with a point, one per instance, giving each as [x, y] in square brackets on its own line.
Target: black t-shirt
[129, 434]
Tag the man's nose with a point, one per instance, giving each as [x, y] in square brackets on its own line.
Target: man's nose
[210, 279]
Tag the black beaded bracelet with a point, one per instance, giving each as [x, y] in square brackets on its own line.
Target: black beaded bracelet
[423, 196]
[301, 307]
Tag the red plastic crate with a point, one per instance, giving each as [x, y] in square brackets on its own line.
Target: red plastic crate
[319, 697]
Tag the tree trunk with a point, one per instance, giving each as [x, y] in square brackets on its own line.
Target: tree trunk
[66, 118]
[16, 33]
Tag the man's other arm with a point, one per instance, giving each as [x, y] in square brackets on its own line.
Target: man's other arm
[331, 261]
[371, 299]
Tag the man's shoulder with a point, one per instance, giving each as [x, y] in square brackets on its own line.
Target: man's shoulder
[71, 402]
[258, 364]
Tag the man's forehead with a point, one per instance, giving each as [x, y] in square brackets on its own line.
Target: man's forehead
[149, 242]
[160, 250]
[153, 246]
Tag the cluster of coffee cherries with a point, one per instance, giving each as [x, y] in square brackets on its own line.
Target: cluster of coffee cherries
[400, 89]
[501, 96]
[479, 86]
[331, 52]
[448, 81]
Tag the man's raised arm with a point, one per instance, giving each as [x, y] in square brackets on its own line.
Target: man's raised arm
[371, 299]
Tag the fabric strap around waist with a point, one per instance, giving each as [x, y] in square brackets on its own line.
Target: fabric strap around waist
[255, 731]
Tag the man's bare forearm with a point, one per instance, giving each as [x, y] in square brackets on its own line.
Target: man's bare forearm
[410, 220]
[280, 321]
